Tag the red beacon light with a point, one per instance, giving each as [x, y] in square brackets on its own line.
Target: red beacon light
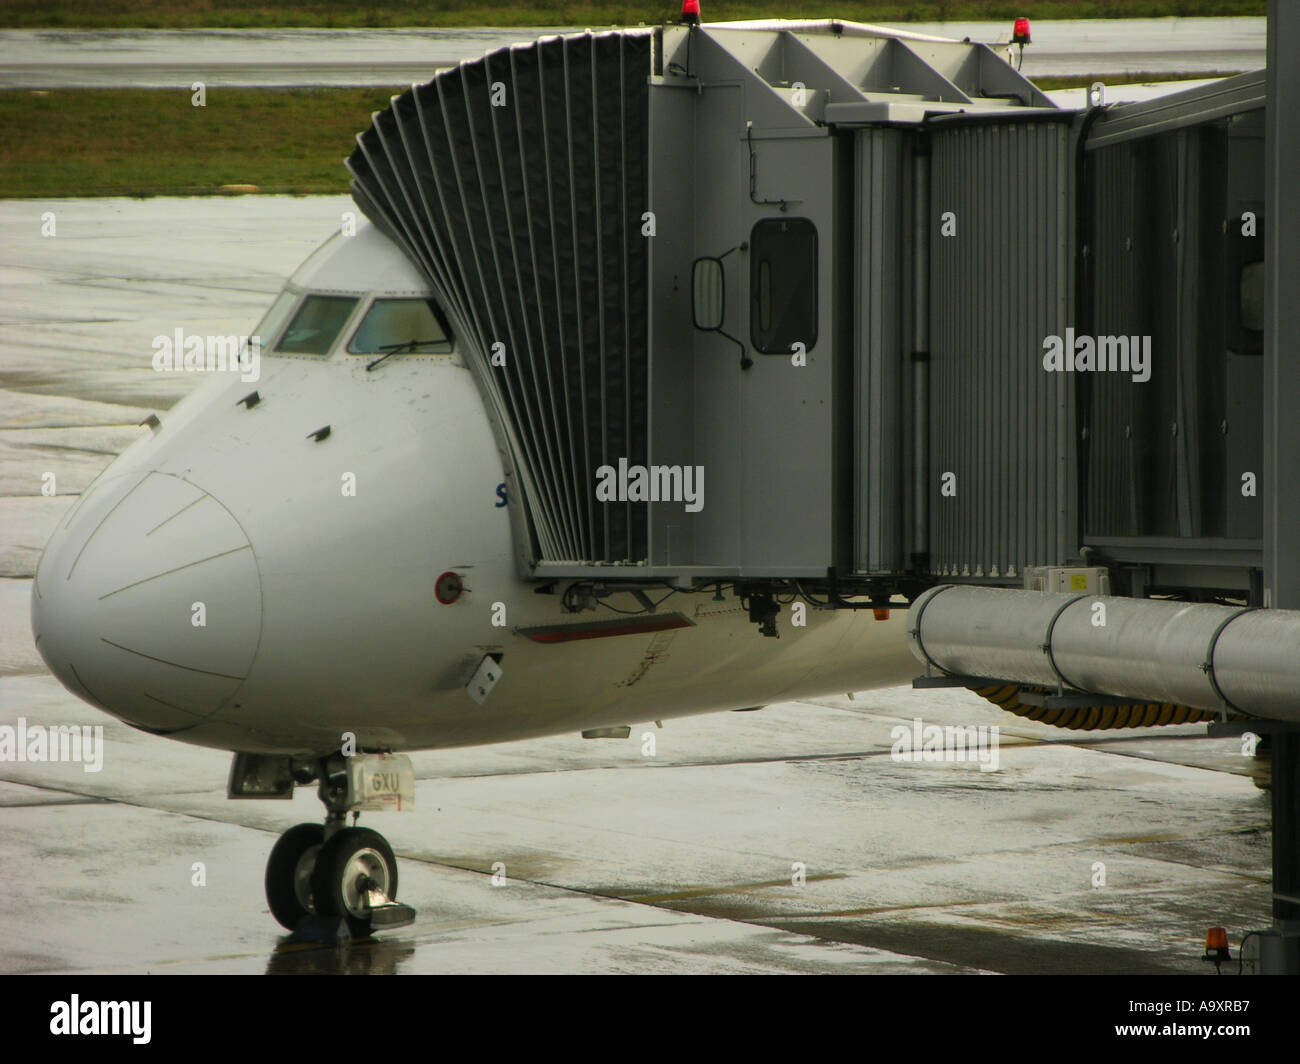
[1020, 36]
[691, 12]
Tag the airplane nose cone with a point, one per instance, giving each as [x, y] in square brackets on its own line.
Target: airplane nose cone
[148, 602]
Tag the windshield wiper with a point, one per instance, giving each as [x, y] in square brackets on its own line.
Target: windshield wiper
[393, 349]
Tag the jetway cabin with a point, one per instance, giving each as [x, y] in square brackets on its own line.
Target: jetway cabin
[792, 301]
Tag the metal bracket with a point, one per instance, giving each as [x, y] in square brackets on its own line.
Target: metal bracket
[1232, 728]
[1061, 682]
[1076, 700]
[1207, 666]
[923, 682]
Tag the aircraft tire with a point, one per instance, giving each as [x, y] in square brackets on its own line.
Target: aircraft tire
[349, 856]
[289, 873]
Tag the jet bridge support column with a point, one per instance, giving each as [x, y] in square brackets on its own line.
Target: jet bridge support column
[1284, 959]
[921, 357]
[1281, 446]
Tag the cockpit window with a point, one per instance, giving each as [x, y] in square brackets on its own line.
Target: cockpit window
[401, 327]
[272, 321]
[316, 325]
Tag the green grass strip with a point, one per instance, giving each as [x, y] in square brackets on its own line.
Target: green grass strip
[140, 142]
[150, 142]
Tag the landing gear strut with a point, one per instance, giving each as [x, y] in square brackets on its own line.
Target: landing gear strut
[324, 873]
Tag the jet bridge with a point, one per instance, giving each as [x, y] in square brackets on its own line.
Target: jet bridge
[768, 302]
[682, 264]
[779, 302]
[821, 309]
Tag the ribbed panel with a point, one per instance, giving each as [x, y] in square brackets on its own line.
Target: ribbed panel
[1116, 483]
[883, 212]
[999, 286]
[518, 182]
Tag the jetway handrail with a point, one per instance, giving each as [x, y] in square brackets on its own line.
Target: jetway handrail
[839, 27]
[1133, 121]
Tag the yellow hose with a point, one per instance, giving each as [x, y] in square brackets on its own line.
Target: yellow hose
[1096, 718]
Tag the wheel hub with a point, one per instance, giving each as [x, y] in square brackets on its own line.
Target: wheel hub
[364, 872]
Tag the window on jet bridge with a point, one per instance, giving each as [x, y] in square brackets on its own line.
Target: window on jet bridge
[783, 285]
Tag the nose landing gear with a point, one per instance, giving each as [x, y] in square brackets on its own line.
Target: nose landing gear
[318, 874]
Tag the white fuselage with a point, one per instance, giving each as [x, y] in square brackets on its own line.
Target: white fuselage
[234, 582]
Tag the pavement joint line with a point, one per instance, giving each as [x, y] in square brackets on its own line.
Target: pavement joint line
[1122, 841]
[1026, 741]
[61, 447]
[1086, 916]
[62, 428]
[851, 755]
[644, 763]
[736, 888]
[53, 802]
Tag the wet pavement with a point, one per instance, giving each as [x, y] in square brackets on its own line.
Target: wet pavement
[44, 59]
[609, 861]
